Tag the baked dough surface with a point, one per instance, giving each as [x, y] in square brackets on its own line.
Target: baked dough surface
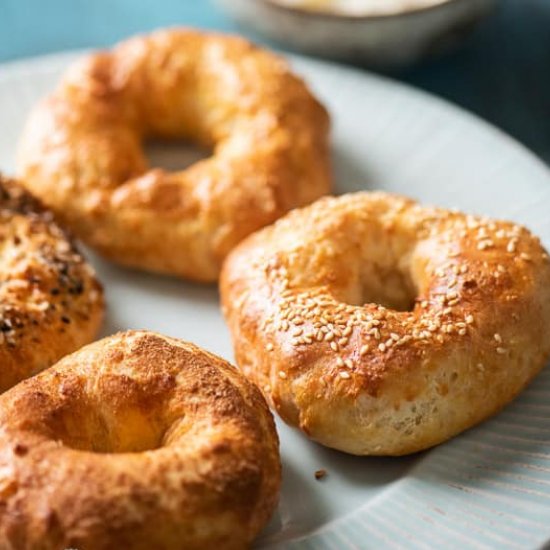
[82, 149]
[50, 300]
[379, 326]
[137, 441]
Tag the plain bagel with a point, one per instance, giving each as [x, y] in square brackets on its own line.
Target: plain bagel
[137, 442]
[82, 149]
[382, 327]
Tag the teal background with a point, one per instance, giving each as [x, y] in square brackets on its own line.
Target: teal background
[502, 72]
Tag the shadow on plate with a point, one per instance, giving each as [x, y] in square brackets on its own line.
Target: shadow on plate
[368, 471]
[298, 503]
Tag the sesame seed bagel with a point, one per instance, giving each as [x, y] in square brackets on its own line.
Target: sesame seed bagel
[82, 149]
[50, 300]
[381, 327]
[137, 441]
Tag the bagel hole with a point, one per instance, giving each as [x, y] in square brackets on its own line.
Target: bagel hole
[129, 431]
[108, 425]
[391, 288]
[175, 154]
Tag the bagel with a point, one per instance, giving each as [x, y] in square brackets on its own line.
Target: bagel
[50, 300]
[381, 327]
[81, 151]
[137, 441]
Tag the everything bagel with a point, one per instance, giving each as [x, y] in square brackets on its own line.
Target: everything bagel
[50, 300]
[140, 442]
[382, 327]
[82, 149]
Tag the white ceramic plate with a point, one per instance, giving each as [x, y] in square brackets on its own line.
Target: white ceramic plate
[490, 487]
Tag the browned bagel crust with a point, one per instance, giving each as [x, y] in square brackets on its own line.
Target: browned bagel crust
[300, 300]
[50, 300]
[137, 441]
[81, 150]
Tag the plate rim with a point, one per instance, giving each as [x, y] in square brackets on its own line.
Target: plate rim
[42, 63]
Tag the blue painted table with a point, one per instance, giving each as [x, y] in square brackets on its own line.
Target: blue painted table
[502, 73]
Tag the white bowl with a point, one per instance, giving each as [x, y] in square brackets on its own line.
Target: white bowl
[394, 39]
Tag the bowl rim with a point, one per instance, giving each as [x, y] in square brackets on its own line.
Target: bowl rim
[319, 14]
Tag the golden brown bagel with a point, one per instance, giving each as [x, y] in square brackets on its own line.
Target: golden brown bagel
[137, 441]
[382, 327]
[81, 151]
[50, 301]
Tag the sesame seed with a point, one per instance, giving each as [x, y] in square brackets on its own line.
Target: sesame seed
[525, 257]
[339, 361]
[334, 346]
[269, 347]
[329, 336]
[502, 351]
[282, 374]
[364, 350]
[480, 367]
[347, 331]
[462, 332]
[469, 319]
[348, 363]
[482, 233]
[344, 374]
[382, 347]
[511, 247]
[497, 337]
[342, 341]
